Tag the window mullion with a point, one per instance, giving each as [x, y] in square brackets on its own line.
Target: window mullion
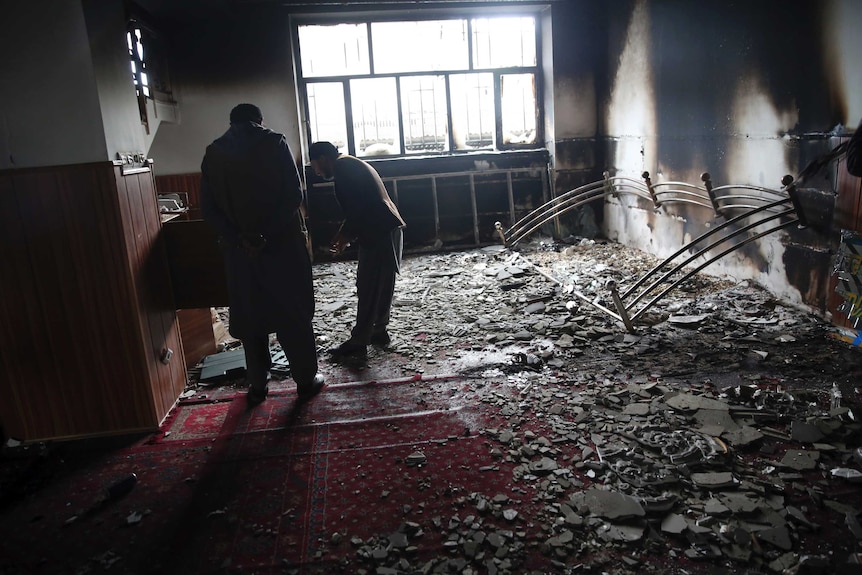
[471, 65]
[498, 110]
[348, 115]
[399, 115]
[370, 49]
[449, 123]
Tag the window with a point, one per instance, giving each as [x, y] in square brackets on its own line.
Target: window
[148, 61]
[378, 88]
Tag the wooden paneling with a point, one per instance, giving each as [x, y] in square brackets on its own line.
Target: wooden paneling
[145, 249]
[188, 183]
[196, 330]
[74, 359]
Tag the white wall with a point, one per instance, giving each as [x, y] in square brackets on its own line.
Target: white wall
[106, 27]
[49, 106]
[221, 64]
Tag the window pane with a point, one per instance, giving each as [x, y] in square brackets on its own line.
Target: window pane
[326, 114]
[375, 116]
[504, 42]
[336, 50]
[518, 106]
[472, 110]
[423, 107]
[419, 46]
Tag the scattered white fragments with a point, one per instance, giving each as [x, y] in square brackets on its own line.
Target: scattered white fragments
[612, 436]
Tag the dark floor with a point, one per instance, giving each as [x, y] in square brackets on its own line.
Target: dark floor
[705, 442]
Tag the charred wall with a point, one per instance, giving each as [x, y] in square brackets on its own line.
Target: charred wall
[746, 91]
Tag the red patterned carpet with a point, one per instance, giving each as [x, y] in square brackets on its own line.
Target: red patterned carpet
[229, 489]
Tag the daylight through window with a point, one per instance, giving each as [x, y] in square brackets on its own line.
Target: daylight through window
[422, 87]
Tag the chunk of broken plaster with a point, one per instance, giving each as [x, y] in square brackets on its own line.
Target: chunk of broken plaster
[622, 533]
[804, 432]
[689, 321]
[851, 475]
[543, 467]
[715, 507]
[741, 503]
[609, 504]
[415, 458]
[717, 480]
[674, 523]
[536, 307]
[745, 435]
[800, 460]
[778, 536]
[691, 402]
[784, 563]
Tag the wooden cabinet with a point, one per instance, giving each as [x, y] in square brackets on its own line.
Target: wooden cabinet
[87, 316]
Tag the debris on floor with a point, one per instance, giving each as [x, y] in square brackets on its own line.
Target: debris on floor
[710, 434]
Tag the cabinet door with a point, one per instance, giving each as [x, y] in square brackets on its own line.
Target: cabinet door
[196, 264]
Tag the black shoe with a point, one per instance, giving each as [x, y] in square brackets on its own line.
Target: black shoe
[309, 390]
[256, 396]
[381, 338]
[349, 348]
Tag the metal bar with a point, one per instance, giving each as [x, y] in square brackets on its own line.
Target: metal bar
[549, 214]
[475, 210]
[538, 270]
[621, 308]
[709, 261]
[580, 202]
[499, 227]
[790, 186]
[686, 201]
[665, 187]
[651, 189]
[749, 188]
[675, 193]
[461, 173]
[704, 250]
[703, 236]
[609, 188]
[741, 207]
[744, 197]
[510, 194]
[598, 306]
[549, 207]
[436, 207]
[547, 188]
[713, 199]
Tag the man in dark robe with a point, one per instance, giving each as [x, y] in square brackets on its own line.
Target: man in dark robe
[371, 218]
[251, 194]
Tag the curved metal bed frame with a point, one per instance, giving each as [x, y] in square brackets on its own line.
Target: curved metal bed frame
[744, 208]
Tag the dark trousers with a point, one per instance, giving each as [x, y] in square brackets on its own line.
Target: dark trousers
[299, 346]
[379, 263]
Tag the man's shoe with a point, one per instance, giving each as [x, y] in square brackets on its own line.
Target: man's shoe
[309, 390]
[256, 396]
[381, 338]
[349, 348]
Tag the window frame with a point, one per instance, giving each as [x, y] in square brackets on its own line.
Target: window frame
[499, 144]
